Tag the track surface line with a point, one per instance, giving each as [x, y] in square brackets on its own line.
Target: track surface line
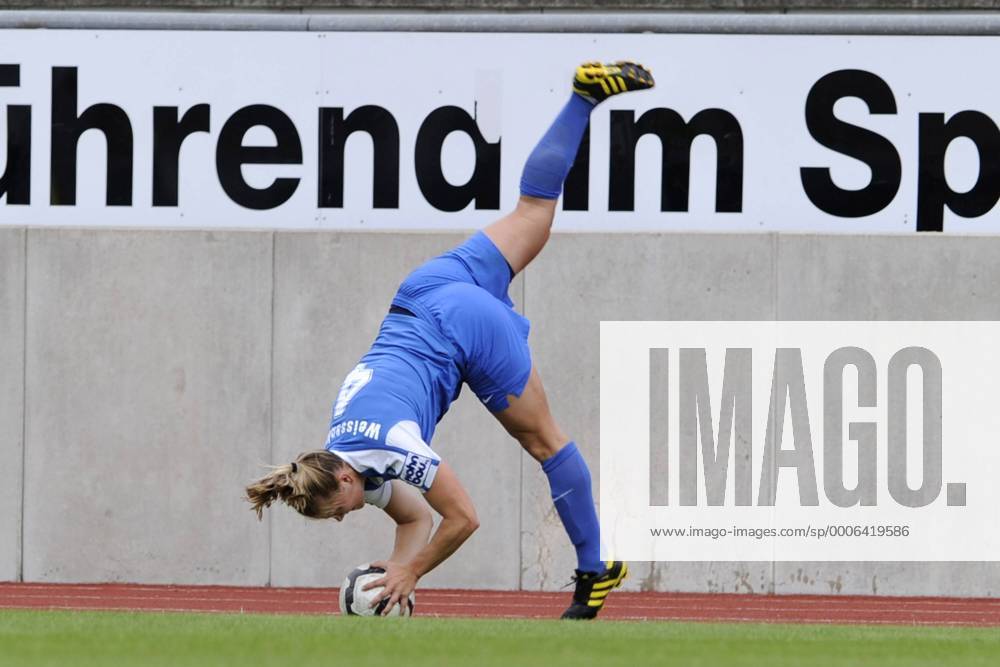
[715, 607]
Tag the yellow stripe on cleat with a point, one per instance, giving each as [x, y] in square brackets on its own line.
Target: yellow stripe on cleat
[604, 85]
[621, 84]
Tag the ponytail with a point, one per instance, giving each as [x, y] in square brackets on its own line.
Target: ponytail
[305, 485]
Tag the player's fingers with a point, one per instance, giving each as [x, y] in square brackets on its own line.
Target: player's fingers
[393, 601]
[378, 597]
[374, 584]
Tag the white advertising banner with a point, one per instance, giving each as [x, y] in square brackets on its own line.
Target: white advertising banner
[800, 441]
[430, 131]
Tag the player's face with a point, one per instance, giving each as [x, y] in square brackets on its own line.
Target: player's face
[350, 497]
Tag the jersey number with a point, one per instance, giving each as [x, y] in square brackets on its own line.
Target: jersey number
[355, 380]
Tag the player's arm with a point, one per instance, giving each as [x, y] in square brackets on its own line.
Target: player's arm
[413, 520]
[458, 521]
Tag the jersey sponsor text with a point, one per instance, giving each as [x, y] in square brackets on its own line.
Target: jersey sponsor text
[368, 429]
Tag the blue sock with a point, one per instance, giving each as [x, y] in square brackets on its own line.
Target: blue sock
[569, 479]
[552, 158]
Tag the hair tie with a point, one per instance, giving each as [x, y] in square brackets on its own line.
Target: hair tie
[295, 467]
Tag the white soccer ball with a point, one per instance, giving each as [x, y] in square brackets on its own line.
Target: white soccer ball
[357, 602]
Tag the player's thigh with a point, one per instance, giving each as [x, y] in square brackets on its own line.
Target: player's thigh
[522, 234]
[529, 419]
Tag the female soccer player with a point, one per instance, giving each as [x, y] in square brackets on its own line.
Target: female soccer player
[451, 322]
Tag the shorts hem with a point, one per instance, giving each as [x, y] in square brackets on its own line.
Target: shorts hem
[501, 403]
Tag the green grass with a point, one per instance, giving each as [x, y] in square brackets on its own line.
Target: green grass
[111, 639]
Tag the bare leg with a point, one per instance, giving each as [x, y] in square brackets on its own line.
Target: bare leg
[522, 234]
[529, 421]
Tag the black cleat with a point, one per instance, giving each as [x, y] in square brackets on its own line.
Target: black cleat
[592, 589]
[596, 82]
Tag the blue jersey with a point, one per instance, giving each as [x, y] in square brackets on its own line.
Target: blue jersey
[413, 375]
[388, 406]
[454, 323]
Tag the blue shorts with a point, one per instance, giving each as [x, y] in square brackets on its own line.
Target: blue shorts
[464, 292]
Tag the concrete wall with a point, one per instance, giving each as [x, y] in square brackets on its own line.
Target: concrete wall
[163, 367]
[148, 404]
[11, 398]
[888, 278]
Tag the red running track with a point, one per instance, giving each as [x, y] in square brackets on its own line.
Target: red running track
[514, 604]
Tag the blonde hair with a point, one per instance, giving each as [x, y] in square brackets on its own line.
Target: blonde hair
[305, 485]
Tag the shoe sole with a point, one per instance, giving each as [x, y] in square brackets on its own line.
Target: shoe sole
[611, 78]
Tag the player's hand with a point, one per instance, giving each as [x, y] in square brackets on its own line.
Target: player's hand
[398, 582]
